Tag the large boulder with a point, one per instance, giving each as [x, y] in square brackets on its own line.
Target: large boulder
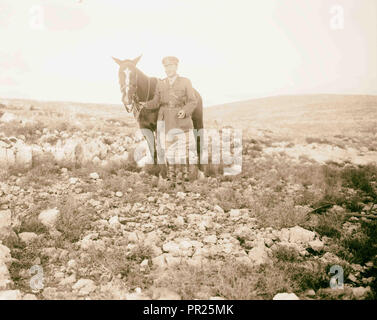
[84, 287]
[66, 151]
[297, 235]
[316, 245]
[5, 280]
[10, 295]
[285, 296]
[6, 231]
[49, 217]
[260, 255]
[8, 117]
[5, 257]
[7, 157]
[172, 248]
[5, 261]
[83, 154]
[5, 219]
[301, 235]
[23, 154]
[28, 237]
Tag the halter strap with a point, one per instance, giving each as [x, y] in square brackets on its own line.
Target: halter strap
[135, 98]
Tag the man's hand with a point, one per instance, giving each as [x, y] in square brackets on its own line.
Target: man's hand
[141, 105]
[181, 114]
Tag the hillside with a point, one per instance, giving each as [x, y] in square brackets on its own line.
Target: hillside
[76, 203]
[301, 115]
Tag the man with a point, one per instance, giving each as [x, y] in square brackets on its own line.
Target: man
[177, 101]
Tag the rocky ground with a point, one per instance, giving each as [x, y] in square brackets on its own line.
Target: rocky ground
[79, 219]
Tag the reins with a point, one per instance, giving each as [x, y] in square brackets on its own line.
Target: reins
[135, 98]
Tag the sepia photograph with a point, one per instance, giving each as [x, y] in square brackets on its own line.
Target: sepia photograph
[207, 151]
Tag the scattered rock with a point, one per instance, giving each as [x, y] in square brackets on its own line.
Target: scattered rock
[114, 222]
[172, 261]
[137, 295]
[49, 217]
[196, 261]
[329, 257]
[94, 176]
[218, 209]
[316, 245]
[10, 295]
[352, 278]
[84, 286]
[28, 237]
[309, 293]
[68, 281]
[179, 221]
[73, 180]
[285, 296]
[171, 247]
[133, 237]
[5, 257]
[212, 239]
[8, 117]
[368, 281]
[259, 255]
[357, 267]
[300, 235]
[5, 279]
[235, 213]
[119, 194]
[181, 195]
[159, 262]
[164, 294]
[5, 219]
[361, 292]
[201, 175]
[29, 296]
[49, 293]
[185, 245]
[72, 264]
[23, 154]
[144, 263]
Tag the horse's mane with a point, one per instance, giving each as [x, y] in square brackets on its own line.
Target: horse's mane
[140, 73]
[141, 77]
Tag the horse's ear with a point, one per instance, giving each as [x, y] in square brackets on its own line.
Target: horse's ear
[117, 61]
[136, 60]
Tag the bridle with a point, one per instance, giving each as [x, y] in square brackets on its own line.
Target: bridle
[135, 101]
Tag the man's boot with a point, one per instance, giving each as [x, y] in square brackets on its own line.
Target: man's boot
[179, 177]
[186, 173]
[171, 175]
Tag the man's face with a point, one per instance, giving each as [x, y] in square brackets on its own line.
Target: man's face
[171, 70]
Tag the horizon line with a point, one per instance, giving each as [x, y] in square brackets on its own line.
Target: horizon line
[208, 106]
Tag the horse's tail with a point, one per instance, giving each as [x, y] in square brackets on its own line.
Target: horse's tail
[197, 119]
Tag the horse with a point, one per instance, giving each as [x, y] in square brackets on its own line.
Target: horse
[137, 88]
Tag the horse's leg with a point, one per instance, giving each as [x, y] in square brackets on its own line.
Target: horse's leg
[155, 148]
[197, 120]
[149, 137]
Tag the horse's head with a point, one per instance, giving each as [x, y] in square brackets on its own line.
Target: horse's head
[128, 81]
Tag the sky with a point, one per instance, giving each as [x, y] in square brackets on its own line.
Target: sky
[230, 50]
